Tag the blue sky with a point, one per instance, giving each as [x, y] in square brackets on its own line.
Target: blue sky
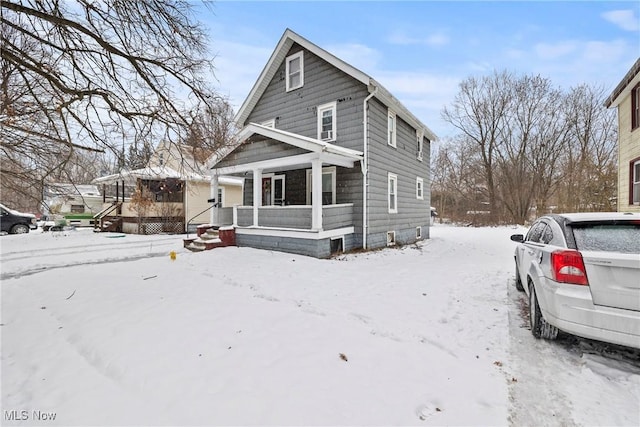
[422, 50]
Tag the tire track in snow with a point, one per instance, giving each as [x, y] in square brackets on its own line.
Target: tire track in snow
[107, 253]
[78, 249]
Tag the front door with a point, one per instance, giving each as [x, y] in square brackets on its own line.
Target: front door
[277, 184]
[266, 191]
[273, 190]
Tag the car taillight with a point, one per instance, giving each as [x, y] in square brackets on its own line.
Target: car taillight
[568, 267]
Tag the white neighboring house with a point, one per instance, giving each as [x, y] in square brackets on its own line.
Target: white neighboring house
[178, 187]
[72, 204]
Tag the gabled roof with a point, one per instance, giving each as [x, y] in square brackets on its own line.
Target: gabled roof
[180, 157]
[628, 82]
[278, 56]
[310, 144]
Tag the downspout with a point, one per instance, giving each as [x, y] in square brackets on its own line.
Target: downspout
[365, 168]
[185, 197]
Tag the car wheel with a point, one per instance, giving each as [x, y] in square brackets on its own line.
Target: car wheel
[19, 229]
[518, 281]
[539, 327]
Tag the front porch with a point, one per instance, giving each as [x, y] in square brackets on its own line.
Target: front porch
[293, 203]
[148, 201]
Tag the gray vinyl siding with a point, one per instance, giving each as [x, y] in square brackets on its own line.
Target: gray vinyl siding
[295, 111]
[401, 161]
[258, 150]
[315, 248]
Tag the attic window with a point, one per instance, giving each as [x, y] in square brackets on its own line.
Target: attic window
[295, 71]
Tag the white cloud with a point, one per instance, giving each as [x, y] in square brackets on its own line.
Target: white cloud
[435, 39]
[625, 19]
[515, 53]
[604, 52]
[237, 67]
[553, 51]
[358, 55]
[424, 94]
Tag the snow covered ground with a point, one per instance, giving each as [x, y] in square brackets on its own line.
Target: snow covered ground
[106, 330]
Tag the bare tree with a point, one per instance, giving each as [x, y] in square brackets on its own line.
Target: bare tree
[94, 76]
[457, 187]
[212, 128]
[589, 164]
[537, 146]
[532, 146]
[479, 111]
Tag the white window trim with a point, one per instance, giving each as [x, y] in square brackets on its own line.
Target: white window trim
[420, 140]
[288, 61]
[419, 188]
[418, 232]
[635, 180]
[333, 107]
[393, 177]
[273, 178]
[220, 196]
[341, 238]
[269, 123]
[392, 133]
[328, 170]
[391, 238]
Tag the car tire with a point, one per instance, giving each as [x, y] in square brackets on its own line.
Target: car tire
[518, 281]
[539, 327]
[19, 229]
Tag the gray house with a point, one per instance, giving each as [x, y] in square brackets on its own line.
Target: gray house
[331, 160]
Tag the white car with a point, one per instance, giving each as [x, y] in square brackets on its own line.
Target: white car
[581, 273]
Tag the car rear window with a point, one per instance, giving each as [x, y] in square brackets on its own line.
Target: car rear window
[624, 238]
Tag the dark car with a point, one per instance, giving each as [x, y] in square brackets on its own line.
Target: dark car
[15, 222]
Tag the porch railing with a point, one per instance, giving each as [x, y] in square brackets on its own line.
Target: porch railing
[296, 217]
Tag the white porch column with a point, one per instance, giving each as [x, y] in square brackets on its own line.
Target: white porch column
[316, 194]
[214, 195]
[257, 194]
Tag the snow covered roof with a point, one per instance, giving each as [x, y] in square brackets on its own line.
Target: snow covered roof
[64, 189]
[163, 172]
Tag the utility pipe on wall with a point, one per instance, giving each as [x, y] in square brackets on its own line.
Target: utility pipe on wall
[365, 167]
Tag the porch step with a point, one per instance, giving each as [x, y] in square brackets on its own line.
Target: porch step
[211, 239]
[113, 224]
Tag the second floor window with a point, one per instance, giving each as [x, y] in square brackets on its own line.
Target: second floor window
[391, 128]
[295, 71]
[635, 183]
[327, 122]
[635, 107]
[419, 188]
[420, 138]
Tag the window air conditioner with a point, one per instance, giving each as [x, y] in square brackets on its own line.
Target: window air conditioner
[327, 134]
